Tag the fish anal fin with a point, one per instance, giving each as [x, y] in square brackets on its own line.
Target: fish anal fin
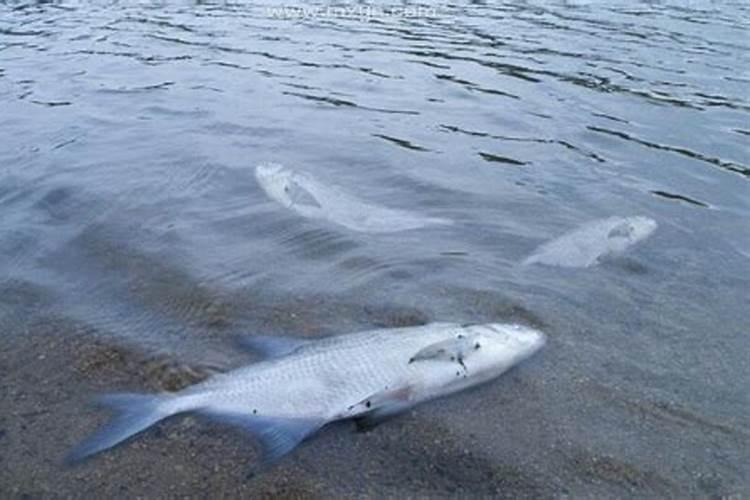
[298, 195]
[270, 346]
[277, 435]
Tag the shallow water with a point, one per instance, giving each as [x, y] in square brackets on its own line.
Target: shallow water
[135, 241]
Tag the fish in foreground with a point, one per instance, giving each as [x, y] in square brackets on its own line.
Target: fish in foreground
[302, 193]
[588, 244]
[304, 384]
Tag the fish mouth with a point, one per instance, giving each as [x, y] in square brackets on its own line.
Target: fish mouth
[528, 338]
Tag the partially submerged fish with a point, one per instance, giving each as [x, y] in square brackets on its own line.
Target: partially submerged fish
[591, 242]
[305, 384]
[310, 198]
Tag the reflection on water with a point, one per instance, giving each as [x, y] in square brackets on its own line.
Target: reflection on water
[133, 229]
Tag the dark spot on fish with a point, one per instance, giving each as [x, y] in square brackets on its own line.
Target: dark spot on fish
[477, 345]
[368, 404]
[255, 411]
[459, 336]
[411, 360]
[461, 362]
[453, 358]
[458, 374]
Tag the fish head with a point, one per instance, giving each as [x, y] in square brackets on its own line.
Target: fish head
[642, 227]
[633, 229]
[496, 347]
[275, 180]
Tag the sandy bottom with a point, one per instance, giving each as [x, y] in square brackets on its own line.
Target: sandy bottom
[503, 439]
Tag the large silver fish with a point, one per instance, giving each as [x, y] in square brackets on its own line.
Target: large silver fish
[588, 244]
[302, 193]
[305, 384]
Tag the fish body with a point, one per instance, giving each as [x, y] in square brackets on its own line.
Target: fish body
[304, 385]
[586, 245]
[302, 193]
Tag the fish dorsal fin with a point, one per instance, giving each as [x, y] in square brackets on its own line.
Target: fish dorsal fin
[269, 346]
[453, 349]
[278, 435]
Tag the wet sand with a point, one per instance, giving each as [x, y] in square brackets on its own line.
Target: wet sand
[57, 365]
[502, 439]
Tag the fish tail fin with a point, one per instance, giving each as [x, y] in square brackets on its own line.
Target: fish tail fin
[134, 413]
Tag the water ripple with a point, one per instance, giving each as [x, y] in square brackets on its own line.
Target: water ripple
[723, 164]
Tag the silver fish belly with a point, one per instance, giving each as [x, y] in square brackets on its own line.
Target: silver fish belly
[304, 384]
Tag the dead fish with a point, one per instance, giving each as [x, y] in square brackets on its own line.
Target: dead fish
[304, 384]
[588, 244]
[300, 192]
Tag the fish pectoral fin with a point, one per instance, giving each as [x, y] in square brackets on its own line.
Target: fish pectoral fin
[434, 351]
[298, 195]
[448, 350]
[269, 346]
[278, 435]
[382, 405]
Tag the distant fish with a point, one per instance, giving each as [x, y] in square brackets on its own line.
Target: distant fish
[588, 244]
[305, 384]
[308, 197]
